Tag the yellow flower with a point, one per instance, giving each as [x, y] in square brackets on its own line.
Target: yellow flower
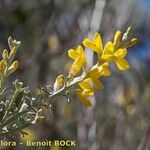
[59, 82]
[96, 72]
[109, 54]
[96, 44]
[79, 60]
[85, 90]
[112, 51]
[103, 69]
[87, 87]
[83, 99]
[75, 68]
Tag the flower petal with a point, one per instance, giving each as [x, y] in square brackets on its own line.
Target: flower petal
[122, 52]
[80, 50]
[103, 69]
[83, 99]
[108, 57]
[89, 44]
[75, 68]
[94, 73]
[98, 84]
[122, 64]
[98, 42]
[73, 54]
[117, 39]
[109, 48]
[86, 84]
[87, 92]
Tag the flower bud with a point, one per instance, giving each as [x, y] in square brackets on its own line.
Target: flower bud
[5, 54]
[75, 68]
[13, 43]
[126, 34]
[13, 67]
[18, 85]
[59, 82]
[2, 65]
[133, 42]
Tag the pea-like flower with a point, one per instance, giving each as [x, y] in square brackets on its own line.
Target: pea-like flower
[79, 60]
[118, 56]
[95, 44]
[96, 72]
[85, 91]
[115, 51]
[92, 81]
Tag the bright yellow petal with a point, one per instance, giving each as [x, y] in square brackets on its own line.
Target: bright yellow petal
[106, 72]
[108, 57]
[80, 50]
[87, 92]
[122, 64]
[86, 84]
[94, 73]
[117, 39]
[73, 54]
[76, 67]
[89, 44]
[120, 53]
[98, 84]
[109, 48]
[103, 69]
[83, 99]
[98, 42]
[81, 53]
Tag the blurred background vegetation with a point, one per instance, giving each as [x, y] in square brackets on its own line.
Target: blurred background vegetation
[47, 29]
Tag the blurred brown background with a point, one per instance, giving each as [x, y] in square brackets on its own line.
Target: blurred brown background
[47, 29]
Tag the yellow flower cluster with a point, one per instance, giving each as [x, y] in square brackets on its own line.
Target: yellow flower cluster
[112, 52]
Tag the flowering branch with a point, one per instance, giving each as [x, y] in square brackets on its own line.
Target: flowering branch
[23, 109]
